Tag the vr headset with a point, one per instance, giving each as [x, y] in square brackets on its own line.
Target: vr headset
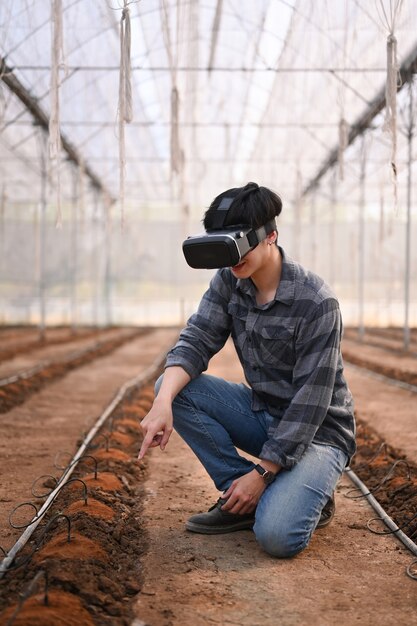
[223, 246]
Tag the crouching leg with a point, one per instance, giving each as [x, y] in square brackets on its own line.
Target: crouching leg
[289, 510]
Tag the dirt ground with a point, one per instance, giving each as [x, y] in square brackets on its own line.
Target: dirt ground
[347, 575]
[54, 419]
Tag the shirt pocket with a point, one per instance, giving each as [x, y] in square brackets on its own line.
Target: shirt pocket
[276, 345]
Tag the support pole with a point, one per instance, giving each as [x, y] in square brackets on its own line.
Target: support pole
[332, 228]
[107, 261]
[42, 236]
[297, 216]
[74, 251]
[361, 243]
[313, 242]
[410, 132]
[95, 264]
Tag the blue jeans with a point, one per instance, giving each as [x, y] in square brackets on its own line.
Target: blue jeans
[214, 417]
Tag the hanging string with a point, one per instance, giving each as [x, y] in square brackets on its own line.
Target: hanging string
[125, 108]
[175, 147]
[343, 125]
[215, 34]
[175, 139]
[125, 85]
[392, 84]
[390, 124]
[54, 120]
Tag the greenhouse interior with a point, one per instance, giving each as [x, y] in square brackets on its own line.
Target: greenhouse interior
[122, 120]
[207, 404]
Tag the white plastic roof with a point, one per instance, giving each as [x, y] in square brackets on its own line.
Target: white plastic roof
[262, 87]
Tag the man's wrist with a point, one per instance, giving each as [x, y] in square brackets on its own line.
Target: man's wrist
[164, 399]
[267, 475]
[270, 466]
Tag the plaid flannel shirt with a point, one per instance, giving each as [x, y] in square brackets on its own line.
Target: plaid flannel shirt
[290, 353]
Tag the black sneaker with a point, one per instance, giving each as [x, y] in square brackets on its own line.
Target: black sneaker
[216, 521]
[327, 513]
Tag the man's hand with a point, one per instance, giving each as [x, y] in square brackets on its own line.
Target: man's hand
[156, 427]
[244, 493]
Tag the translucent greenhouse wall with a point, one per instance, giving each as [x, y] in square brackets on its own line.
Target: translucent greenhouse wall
[286, 94]
[97, 273]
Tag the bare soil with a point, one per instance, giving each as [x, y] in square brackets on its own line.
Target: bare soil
[130, 561]
[26, 340]
[49, 363]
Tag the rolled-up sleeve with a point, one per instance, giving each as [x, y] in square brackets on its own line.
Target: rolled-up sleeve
[317, 354]
[206, 331]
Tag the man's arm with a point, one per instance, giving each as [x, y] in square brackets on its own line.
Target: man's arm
[244, 493]
[207, 329]
[157, 425]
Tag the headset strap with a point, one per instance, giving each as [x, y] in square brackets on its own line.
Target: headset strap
[258, 235]
[254, 236]
[219, 216]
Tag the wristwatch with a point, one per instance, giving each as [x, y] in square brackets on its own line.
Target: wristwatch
[268, 476]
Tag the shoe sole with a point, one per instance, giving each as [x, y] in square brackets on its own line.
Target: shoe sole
[326, 519]
[219, 530]
[324, 523]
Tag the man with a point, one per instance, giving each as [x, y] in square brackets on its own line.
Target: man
[295, 414]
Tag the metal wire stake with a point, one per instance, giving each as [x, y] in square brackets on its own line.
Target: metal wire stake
[43, 495]
[87, 456]
[79, 480]
[383, 446]
[387, 477]
[28, 592]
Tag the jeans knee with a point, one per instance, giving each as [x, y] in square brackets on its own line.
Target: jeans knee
[279, 541]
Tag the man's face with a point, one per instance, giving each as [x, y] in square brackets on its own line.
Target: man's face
[254, 261]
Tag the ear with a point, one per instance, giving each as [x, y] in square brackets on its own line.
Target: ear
[272, 237]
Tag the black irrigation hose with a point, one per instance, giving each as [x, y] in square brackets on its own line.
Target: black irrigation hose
[383, 446]
[37, 515]
[384, 517]
[141, 379]
[43, 495]
[38, 543]
[412, 570]
[383, 481]
[391, 532]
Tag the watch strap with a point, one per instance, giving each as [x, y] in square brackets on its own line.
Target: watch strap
[267, 475]
[260, 469]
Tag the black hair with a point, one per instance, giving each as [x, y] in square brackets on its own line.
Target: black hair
[252, 205]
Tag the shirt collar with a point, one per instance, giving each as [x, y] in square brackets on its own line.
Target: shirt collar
[286, 289]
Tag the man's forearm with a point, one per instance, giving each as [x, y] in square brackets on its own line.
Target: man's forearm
[270, 466]
[174, 380]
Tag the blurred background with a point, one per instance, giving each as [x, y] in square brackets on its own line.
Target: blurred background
[121, 120]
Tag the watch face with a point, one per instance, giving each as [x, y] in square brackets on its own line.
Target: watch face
[268, 477]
